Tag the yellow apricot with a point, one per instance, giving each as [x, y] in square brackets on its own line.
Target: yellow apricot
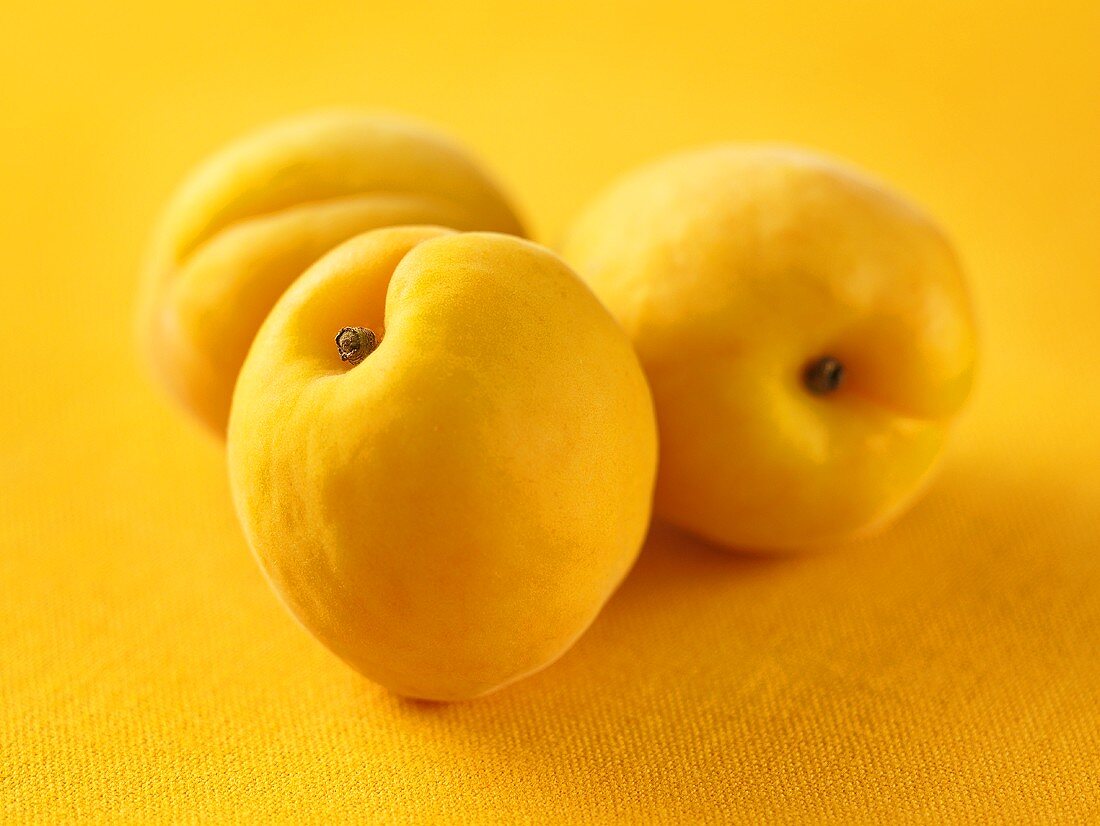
[807, 335]
[449, 511]
[252, 218]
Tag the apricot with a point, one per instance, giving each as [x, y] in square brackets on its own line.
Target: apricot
[252, 218]
[442, 450]
[807, 335]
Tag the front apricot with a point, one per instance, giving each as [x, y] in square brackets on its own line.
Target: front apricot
[442, 450]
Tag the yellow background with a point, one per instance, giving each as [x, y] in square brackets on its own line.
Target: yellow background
[948, 667]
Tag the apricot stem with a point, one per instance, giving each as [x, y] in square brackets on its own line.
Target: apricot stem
[355, 343]
[823, 376]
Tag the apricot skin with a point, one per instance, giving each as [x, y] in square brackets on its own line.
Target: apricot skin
[735, 269]
[450, 514]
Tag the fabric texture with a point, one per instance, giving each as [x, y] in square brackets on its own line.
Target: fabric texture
[946, 670]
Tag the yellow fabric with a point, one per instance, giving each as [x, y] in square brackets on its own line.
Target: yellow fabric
[948, 668]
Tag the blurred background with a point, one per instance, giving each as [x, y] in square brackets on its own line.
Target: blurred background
[948, 666]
